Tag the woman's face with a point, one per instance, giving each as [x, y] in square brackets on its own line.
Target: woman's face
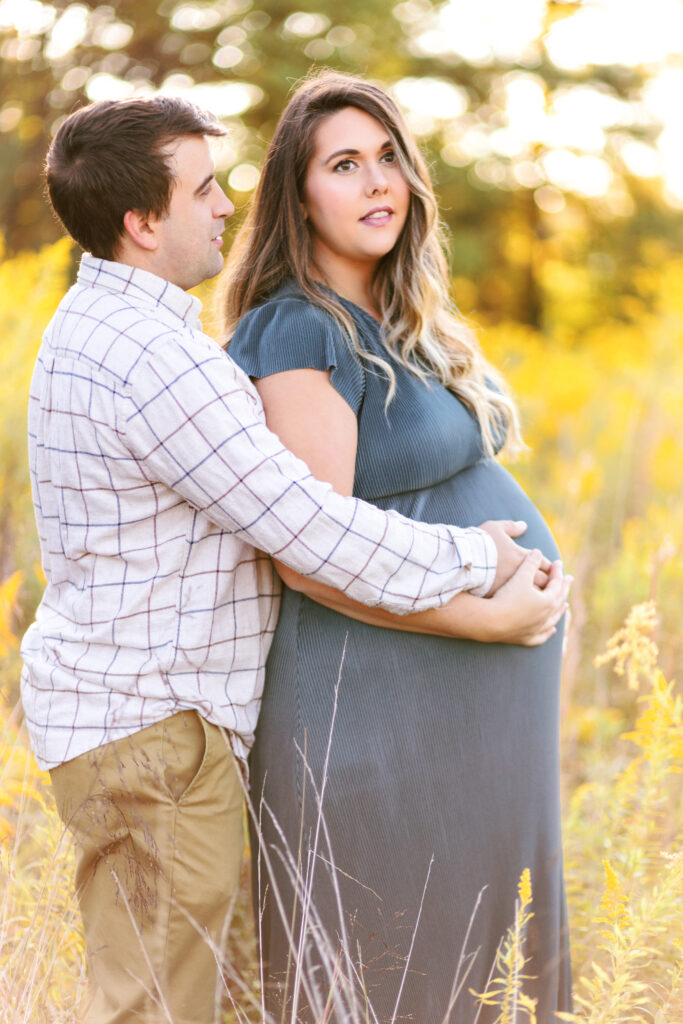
[356, 199]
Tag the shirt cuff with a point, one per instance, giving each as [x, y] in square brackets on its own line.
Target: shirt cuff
[484, 562]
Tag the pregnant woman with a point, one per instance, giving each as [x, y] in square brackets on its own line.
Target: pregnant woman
[440, 782]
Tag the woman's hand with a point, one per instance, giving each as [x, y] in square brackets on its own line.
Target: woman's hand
[518, 613]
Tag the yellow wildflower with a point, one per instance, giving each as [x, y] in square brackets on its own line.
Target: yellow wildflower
[630, 648]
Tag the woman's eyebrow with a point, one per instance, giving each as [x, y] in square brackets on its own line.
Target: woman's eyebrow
[342, 152]
[353, 152]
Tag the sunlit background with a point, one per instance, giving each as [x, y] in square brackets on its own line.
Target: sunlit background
[554, 131]
[557, 98]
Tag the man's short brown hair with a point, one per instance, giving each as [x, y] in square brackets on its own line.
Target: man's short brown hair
[108, 158]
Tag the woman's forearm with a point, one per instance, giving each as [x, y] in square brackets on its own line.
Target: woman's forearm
[297, 404]
[463, 616]
[519, 613]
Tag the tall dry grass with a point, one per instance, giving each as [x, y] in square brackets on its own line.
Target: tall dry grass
[624, 866]
[601, 401]
[41, 947]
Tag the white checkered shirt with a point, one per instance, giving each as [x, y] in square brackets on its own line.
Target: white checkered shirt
[157, 486]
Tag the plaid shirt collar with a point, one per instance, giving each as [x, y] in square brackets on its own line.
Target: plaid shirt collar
[142, 285]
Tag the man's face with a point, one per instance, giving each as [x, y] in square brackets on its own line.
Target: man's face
[189, 234]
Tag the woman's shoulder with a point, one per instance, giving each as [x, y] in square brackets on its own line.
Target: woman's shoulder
[286, 316]
[286, 312]
[288, 332]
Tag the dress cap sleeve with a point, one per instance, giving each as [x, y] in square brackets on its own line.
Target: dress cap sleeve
[290, 333]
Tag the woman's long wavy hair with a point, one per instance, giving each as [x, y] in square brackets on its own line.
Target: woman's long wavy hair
[421, 327]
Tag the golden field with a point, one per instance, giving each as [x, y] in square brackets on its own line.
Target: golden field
[601, 402]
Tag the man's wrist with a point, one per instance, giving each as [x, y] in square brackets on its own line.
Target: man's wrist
[484, 562]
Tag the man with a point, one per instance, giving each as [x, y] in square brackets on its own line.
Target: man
[156, 487]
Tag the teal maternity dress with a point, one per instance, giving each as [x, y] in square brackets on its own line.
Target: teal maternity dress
[442, 784]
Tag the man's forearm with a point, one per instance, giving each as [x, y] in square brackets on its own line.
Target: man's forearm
[197, 427]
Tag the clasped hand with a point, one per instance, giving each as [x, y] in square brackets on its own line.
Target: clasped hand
[529, 593]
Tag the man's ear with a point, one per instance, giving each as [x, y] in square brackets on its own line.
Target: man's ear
[141, 228]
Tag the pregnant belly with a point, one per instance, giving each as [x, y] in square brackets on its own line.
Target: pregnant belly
[483, 491]
[419, 707]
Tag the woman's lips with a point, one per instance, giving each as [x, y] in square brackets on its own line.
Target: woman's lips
[378, 217]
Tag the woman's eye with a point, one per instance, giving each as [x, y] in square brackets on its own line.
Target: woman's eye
[345, 165]
[389, 157]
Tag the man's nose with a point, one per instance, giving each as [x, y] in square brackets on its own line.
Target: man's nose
[223, 208]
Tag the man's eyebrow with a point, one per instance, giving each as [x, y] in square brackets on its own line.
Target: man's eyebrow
[207, 179]
[354, 152]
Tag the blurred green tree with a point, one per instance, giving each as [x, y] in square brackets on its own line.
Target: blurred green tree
[533, 137]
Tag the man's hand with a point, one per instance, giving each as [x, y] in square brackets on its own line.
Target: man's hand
[511, 555]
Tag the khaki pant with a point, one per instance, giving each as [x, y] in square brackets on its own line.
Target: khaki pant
[157, 819]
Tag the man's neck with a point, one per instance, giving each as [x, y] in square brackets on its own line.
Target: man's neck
[132, 256]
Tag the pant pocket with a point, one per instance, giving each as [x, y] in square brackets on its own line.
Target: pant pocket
[184, 751]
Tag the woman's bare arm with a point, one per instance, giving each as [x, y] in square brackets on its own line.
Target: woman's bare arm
[313, 420]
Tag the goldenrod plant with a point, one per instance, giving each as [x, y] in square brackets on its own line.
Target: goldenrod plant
[505, 989]
[624, 837]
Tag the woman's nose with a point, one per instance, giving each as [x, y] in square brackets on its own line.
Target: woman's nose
[377, 183]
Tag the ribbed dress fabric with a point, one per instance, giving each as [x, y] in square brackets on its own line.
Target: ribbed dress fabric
[443, 777]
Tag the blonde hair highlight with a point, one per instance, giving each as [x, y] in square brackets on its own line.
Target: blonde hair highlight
[421, 327]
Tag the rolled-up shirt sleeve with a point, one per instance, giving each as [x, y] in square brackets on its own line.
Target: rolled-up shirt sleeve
[194, 422]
